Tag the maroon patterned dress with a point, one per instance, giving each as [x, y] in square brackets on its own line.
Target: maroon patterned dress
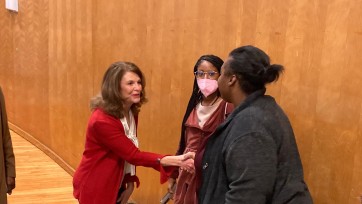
[196, 138]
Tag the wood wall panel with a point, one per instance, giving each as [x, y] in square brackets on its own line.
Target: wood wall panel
[52, 63]
[30, 51]
[70, 76]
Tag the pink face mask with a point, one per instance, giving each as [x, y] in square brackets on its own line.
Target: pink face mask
[207, 86]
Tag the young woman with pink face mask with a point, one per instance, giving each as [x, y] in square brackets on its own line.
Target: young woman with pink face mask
[205, 111]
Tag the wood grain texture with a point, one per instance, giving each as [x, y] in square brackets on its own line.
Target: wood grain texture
[52, 62]
[38, 178]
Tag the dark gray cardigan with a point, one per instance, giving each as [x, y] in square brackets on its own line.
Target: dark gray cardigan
[253, 158]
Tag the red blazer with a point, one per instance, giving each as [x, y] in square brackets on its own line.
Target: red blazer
[99, 175]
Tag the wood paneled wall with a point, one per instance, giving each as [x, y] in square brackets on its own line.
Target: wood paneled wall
[53, 55]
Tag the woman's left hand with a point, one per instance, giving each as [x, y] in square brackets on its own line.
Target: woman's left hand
[126, 194]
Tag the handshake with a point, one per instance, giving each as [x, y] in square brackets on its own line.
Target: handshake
[186, 163]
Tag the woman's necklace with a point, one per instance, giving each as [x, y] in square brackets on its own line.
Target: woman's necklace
[215, 100]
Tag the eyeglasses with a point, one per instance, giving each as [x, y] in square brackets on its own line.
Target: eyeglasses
[201, 74]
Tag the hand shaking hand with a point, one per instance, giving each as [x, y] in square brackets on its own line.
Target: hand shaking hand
[188, 162]
[184, 161]
[189, 155]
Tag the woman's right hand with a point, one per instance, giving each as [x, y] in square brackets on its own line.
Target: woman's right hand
[188, 162]
[184, 161]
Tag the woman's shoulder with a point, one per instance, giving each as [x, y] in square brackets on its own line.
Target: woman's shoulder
[99, 114]
[101, 120]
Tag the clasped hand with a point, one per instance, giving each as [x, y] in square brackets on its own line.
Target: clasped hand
[187, 163]
[184, 161]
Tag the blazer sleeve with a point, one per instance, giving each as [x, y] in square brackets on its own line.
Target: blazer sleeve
[109, 134]
[7, 143]
[251, 167]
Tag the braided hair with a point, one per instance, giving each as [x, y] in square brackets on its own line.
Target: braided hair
[196, 96]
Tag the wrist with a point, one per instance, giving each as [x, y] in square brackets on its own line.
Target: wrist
[163, 161]
[170, 161]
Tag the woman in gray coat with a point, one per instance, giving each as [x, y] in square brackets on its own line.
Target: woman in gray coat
[252, 157]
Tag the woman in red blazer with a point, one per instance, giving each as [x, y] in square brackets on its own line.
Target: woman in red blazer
[106, 173]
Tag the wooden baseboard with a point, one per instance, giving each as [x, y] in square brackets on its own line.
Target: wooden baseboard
[43, 148]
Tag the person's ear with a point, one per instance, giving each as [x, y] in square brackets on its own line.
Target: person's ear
[232, 80]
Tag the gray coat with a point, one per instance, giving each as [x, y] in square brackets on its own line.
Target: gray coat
[253, 158]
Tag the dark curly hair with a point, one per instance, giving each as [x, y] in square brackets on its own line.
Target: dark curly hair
[252, 67]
